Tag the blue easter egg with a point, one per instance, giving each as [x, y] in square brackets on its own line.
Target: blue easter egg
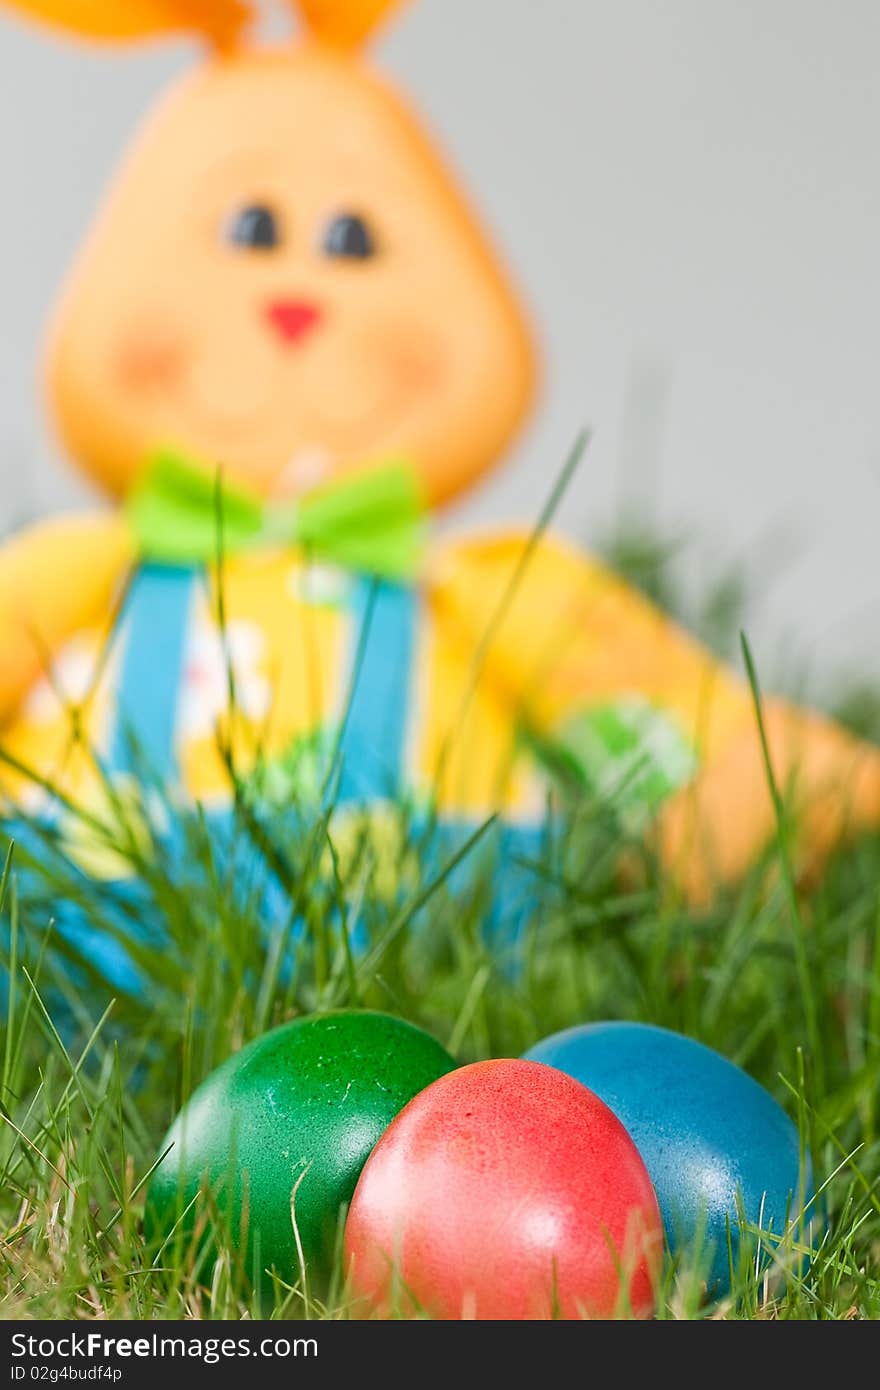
[705, 1130]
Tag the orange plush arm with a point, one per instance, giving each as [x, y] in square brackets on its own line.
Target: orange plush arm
[567, 636]
[562, 633]
[55, 578]
[711, 831]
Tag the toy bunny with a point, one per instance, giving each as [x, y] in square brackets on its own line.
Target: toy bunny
[285, 340]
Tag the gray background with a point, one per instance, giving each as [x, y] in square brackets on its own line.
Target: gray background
[690, 195]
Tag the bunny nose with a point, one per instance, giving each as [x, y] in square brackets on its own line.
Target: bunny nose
[292, 319]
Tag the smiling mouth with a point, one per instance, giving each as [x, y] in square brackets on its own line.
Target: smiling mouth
[228, 399]
[330, 446]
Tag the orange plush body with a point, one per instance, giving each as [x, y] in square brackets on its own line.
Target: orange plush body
[287, 285]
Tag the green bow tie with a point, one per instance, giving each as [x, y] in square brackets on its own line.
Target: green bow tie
[372, 522]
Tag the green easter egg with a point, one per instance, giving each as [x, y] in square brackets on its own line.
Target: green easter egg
[305, 1104]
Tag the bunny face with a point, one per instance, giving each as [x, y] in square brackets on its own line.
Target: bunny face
[287, 283]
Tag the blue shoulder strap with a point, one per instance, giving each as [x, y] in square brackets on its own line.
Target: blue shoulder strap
[155, 622]
[373, 750]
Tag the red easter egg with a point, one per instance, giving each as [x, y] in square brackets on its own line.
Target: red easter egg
[505, 1190]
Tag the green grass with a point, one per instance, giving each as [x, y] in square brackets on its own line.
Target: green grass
[785, 981]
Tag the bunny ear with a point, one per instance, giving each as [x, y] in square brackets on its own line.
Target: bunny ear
[219, 20]
[344, 23]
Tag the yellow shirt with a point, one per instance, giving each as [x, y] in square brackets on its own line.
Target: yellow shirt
[430, 690]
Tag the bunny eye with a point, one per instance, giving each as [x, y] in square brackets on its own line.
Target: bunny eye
[254, 228]
[349, 236]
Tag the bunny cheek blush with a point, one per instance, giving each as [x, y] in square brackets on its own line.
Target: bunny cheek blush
[505, 1190]
[290, 1119]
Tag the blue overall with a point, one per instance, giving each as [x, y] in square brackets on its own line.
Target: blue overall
[153, 634]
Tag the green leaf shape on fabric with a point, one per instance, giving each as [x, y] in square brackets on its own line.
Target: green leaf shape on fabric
[628, 751]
